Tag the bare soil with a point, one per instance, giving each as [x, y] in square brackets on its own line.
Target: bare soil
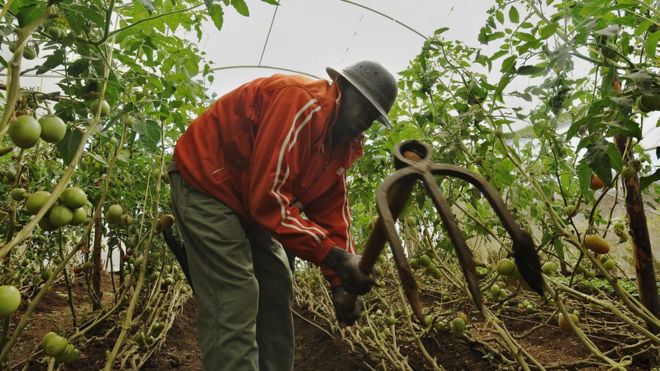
[316, 349]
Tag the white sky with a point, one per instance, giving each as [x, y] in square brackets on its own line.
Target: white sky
[308, 36]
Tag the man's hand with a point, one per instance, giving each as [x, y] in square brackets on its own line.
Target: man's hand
[346, 265]
[348, 307]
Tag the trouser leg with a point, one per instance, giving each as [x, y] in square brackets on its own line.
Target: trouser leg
[274, 320]
[291, 260]
[220, 263]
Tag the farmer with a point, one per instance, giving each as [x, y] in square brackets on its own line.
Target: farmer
[246, 170]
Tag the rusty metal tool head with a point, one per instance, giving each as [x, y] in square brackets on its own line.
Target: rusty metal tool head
[412, 160]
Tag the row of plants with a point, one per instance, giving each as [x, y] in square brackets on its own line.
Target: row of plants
[83, 174]
[582, 79]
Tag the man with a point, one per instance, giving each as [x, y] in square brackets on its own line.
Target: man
[245, 171]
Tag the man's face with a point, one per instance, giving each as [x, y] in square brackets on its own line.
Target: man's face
[356, 114]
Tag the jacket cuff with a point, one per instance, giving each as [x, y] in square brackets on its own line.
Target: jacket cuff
[321, 251]
[331, 276]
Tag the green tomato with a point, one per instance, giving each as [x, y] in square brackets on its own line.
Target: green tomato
[495, 290]
[571, 210]
[54, 32]
[54, 345]
[25, 131]
[102, 104]
[114, 213]
[506, 267]
[457, 326]
[549, 268]
[60, 215]
[53, 129]
[129, 121]
[648, 103]
[18, 194]
[74, 197]
[126, 219]
[79, 216]
[29, 53]
[35, 201]
[10, 300]
[609, 264]
[628, 172]
[46, 274]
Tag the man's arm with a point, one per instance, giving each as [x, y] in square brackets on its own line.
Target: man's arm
[282, 145]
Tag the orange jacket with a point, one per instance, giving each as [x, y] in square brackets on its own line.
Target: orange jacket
[263, 149]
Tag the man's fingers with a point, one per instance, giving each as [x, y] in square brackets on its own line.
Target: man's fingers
[348, 307]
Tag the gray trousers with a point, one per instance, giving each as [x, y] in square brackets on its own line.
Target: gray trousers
[243, 284]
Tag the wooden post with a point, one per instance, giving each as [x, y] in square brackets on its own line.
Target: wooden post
[97, 293]
[641, 242]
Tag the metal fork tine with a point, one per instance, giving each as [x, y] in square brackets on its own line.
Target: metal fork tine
[408, 281]
[524, 252]
[392, 196]
[393, 192]
[462, 250]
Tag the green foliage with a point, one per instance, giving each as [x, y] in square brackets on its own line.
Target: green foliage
[132, 56]
[528, 117]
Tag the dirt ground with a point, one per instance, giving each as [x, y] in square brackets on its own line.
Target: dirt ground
[315, 348]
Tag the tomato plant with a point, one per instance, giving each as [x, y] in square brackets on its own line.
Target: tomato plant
[78, 162]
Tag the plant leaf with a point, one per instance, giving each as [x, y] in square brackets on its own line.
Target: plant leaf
[69, 144]
[149, 134]
[148, 5]
[509, 64]
[216, 13]
[648, 180]
[652, 44]
[598, 158]
[513, 14]
[241, 7]
[53, 60]
[548, 30]
[530, 70]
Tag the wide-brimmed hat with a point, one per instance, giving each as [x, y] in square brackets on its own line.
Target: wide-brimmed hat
[374, 82]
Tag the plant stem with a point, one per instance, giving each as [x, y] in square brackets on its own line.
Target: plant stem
[74, 318]
[14, 68]
[583, 338]
[32, 306]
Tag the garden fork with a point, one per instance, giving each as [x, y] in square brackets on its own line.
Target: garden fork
[412, 159]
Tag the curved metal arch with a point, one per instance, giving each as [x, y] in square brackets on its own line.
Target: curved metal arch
[255, 66]
[386, 16]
